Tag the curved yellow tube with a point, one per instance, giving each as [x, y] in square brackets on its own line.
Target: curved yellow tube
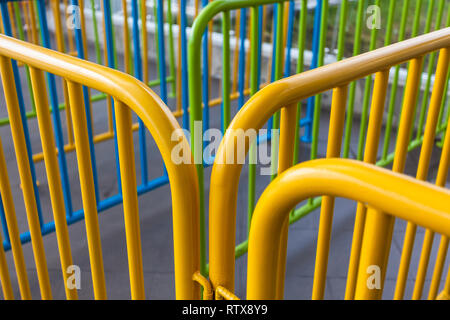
[404, 197]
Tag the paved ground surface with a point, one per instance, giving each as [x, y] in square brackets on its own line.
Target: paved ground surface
[156, 223]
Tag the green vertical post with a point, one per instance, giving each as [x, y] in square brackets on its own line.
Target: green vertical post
[171, 50]
[300, 66]
[365, 105]
[318, 100]
[352, 90]
[278, 70]
[431, 63]
[226, 70]
[440, 122]
[96, 36]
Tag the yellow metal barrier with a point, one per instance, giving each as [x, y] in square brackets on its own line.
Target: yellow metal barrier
[128, 93]
[284, 95]
[401, 196]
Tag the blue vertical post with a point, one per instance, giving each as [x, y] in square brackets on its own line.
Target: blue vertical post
[242, 36]
[184, 66]
[87, 104]
[287, 70]
[112, 64]
[8, 32]
[56, 115]
[307, 122]
[274, 60]
[138, 75]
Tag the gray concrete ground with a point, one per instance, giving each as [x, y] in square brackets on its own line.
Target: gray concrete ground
[156, 223]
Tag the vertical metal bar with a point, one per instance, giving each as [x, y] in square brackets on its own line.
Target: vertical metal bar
[171, 49]
[336, 131]
[126, 39]
[365, 105]
[179, 59]
[16, 10]
[162, 51]
[56, 116]
[205, 78]
[290, 31]
[61, 48]
[5, 279]
[390, 118]
[6, 242]
[106, 53]
[443, 245]
[111, 63]
[13, 24]
[277, 74]
[342, 25]
[13, 228]
[130, 200]
[51, 165]
[21, 106]
[34, 32]
[87, 189]
[352, 92]
[254, 86]
[320, 61]
[300, 66]
[26, 178]
[184, 65]
[377, 235]
[96, 36]
[442, 120]
[307, 137]
[138, 75]
[70, 35]
[236, 51]
[422, 171]
[431, 61]
[145, 69]
[242, 38]
[260, 42]
[286, 155]
[155, 14]
[226, 71]
[370, 156]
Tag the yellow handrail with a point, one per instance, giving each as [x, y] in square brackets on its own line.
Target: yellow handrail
[128, 93]
[284, 95]
[399, 195]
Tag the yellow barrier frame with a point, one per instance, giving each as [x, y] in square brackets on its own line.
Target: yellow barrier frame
[128, 93]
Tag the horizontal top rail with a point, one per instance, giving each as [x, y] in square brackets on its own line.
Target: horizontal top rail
[162, 125]
[399, 195]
